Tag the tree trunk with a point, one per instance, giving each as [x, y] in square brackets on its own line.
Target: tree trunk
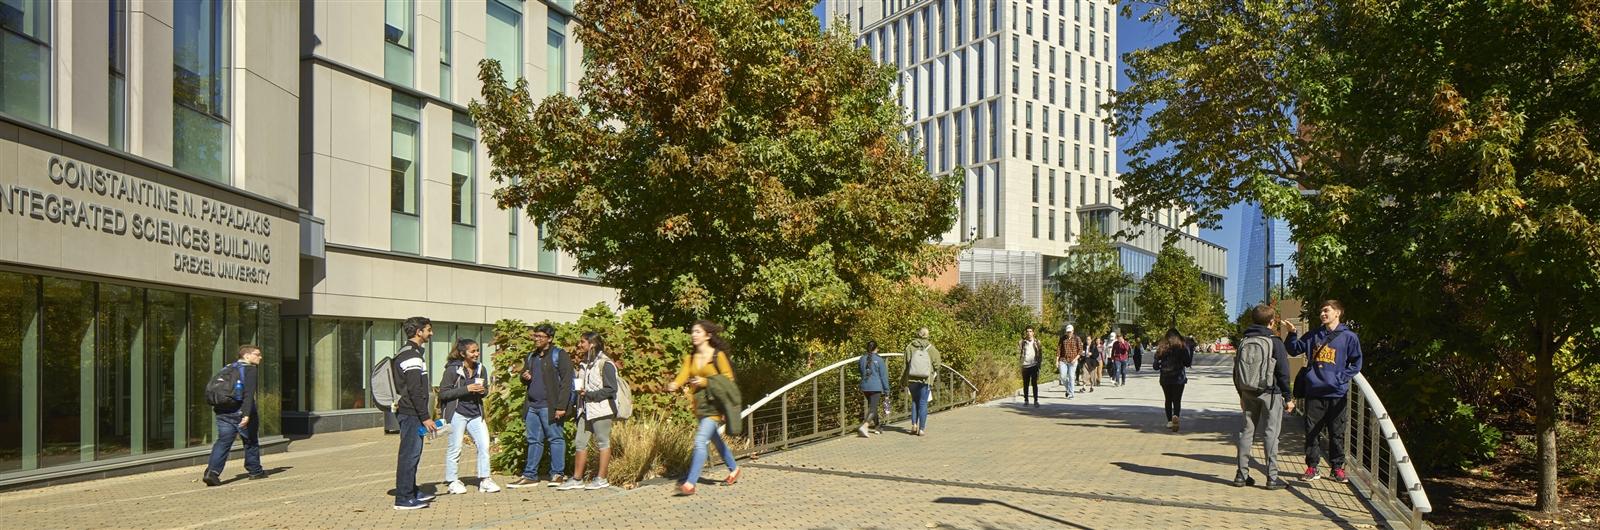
[1549, 499]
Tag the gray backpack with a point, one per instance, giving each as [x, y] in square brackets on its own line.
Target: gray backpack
[918, 364]
[622, 404]
[385, 390]
[1254, 366]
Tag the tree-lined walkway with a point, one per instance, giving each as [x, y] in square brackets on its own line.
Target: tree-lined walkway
[1104, 460]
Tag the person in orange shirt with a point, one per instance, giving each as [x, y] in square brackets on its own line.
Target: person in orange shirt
[708, 357]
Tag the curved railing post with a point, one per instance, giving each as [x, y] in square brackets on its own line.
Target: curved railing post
[1367, 412]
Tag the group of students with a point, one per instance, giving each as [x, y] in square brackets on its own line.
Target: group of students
[1079, 362]
[921, 370]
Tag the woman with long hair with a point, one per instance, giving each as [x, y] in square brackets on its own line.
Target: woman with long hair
[597, 386]
[1173, 355]
[874, 384]
[461, 392]
[707, 357]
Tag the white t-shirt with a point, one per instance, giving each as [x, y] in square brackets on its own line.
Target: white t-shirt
[1030, 352]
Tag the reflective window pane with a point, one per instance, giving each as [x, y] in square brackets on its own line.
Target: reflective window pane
[207, 322]
[19, 337]
[120, 319]
[164, 344]
[69, 342]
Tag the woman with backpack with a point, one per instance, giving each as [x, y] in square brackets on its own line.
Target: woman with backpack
[874, 383]
[922, 367]
[597, 387]
[461, 392]
[1173, 355]
[707, 358]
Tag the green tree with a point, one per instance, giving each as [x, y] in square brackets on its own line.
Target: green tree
[1089, 282]
[1450, 144]
[723, 160]
[1172, 294]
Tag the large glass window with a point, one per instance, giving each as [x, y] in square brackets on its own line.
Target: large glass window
[25, 59]
[556, 38]
[208, 316]
[398, 40]
[463, 189]
[19, 332]
[200, 88]
[547, 255]
[405, 224]
[164, 344]
[446, 48]
[337, 363]
[505, 37]
[119, 320]
[117, 99]
[66, 379]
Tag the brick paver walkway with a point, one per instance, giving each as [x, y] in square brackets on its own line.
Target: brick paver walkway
[1104, 460]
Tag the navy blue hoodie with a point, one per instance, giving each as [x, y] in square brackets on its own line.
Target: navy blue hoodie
[1334, 359]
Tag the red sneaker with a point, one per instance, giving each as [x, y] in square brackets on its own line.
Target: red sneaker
[1311, 474]
[1339, 476]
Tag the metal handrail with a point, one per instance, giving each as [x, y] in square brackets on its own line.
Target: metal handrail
[1380, 467]
[805, 412]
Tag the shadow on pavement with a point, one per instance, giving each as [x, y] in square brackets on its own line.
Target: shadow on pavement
[268, 472]
[1164, 472]
[969, 501]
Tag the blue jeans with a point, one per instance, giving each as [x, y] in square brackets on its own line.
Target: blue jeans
[405, 467]
[227, 429]
[1068, 373]
[541, 431]
[460, 425]
[704, 434]
[919, 403]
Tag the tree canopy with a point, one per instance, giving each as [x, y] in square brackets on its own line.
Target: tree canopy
[1450, 146]
[1089, 282]
[1173, 294]
[723, 160]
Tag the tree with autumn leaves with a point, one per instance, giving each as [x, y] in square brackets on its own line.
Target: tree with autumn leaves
[1436, 160]
[723, 160]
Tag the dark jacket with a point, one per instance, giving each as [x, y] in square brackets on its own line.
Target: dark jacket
[557, 383]
[1335, 359]
[453, 388]
[247, 403]
[1172, 361]
[874, 373]
[1280, 356]
[724, 400]
[415, 398]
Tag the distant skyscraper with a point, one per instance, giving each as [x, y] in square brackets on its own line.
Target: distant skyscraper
[1265, 243]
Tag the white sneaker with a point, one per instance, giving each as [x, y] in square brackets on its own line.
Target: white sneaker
[599, 483]
[457, 488]
[570, 484]
[863, 430]
[487, 485]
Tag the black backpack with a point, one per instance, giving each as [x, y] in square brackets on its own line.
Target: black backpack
[226, 387]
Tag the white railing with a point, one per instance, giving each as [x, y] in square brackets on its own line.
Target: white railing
[1378, 459]
[809, 409]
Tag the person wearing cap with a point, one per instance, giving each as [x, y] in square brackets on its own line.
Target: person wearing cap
[1068, 350]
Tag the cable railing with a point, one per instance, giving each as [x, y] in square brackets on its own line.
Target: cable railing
[828, 402]
[1378, 459]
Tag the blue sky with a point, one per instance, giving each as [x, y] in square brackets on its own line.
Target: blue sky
[1133, 34]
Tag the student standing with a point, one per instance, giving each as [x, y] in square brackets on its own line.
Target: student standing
[461, 392]
[1173, 355]
[413, 412]
[1261, 377]
[597, 376]
[707, 358]
[238, 419]
[1335, 359]
[1067, 354]
[1028, 351]
[874, 383]
[548, 373]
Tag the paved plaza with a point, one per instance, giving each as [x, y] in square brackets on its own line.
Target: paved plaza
[1104, 460]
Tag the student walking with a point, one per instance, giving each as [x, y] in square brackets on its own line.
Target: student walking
[1173, 356]
[238, 417]
[597, 388]
[1138, 355]
[1091, 368]
[413, 412]
[706, 361]
[461, 390]
[1335, 359]
[1028, 351]
[1067, 354]
[922, 368]
[1119, 360]
[874, 383]
[548, 372]
[1261, 376]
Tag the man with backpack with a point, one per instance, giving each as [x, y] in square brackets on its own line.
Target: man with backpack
[548, 371]
[232, 396]
[1261, 376]
[1335, 359]
[413, 410]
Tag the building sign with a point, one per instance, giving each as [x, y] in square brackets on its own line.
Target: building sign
[70, 214]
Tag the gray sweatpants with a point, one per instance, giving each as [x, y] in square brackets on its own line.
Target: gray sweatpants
[1265, 410]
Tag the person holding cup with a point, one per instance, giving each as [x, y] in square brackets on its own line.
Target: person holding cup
[461, 392]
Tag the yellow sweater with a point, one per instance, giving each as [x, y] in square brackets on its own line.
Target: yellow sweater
[689, 368]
